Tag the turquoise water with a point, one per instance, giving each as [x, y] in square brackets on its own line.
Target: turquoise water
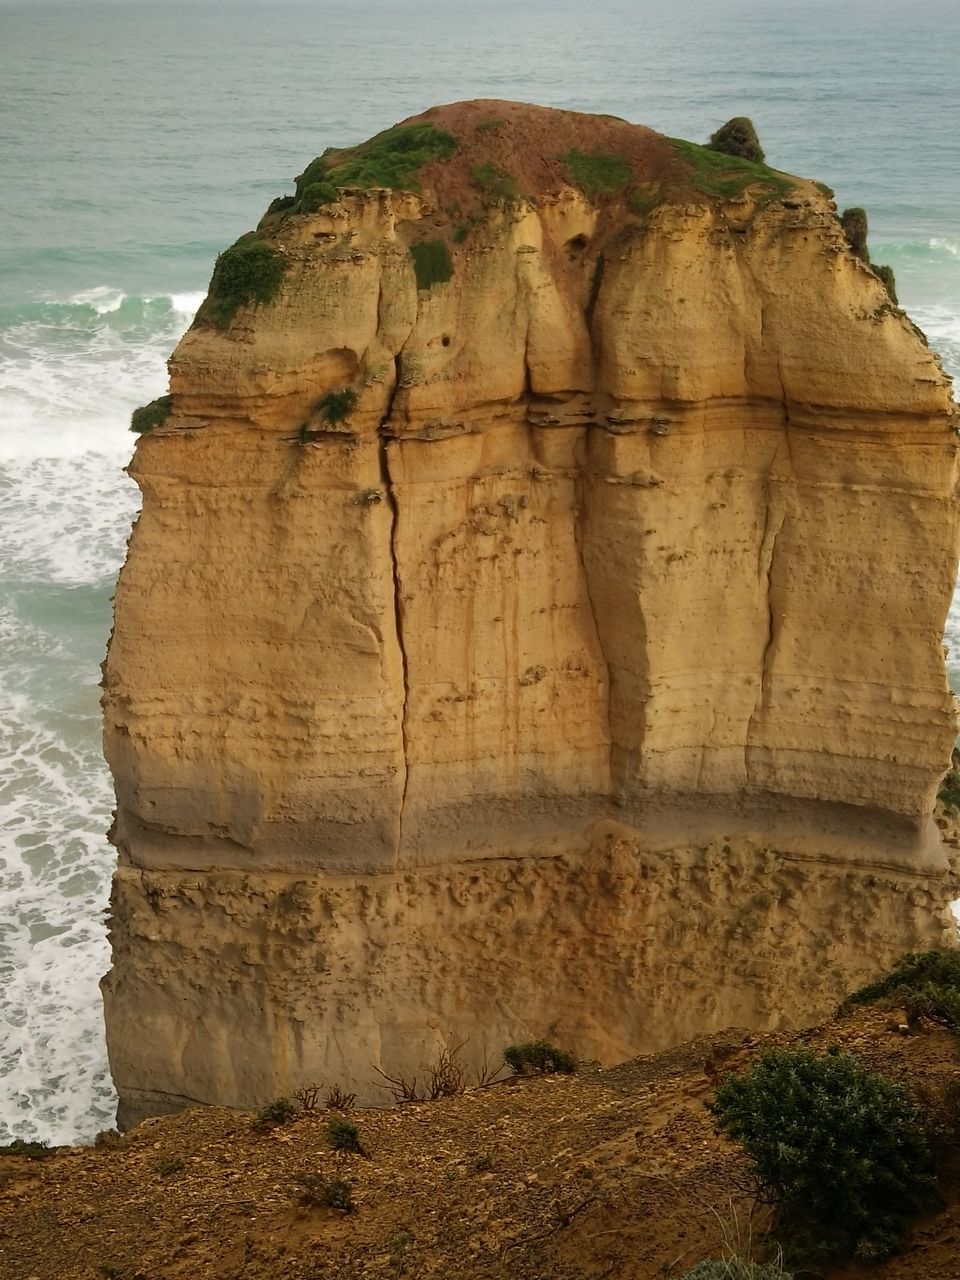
[137, 139]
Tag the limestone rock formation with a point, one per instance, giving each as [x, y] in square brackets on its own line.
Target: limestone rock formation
[533, 627]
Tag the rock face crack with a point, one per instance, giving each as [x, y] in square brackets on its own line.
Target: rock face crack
[390, 489]
[775, 517]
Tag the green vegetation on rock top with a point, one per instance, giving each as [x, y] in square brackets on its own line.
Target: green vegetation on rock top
[597, 173]
[151, 415]
[494, 181]
[249, 272]
[717, 174]
[738, 137]
[391, 159]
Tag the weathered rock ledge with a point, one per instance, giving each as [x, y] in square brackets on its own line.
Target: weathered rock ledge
[584, 680]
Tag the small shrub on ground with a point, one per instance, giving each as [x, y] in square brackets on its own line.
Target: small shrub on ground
[735, 1269]
[923, 983]
[343, 1135]
[249, 272]
[538, 1057]
[167, 1165]
[148, 416]
[447, 1078]
[431, 263]
[22, 1147]
[841, 1149]
[597, 173]
[276, 1113]
[337, 1100]
[308, 1097]
[738, 137]
[320, 1192]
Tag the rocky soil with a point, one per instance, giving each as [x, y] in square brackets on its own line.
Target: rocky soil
[614, 1173]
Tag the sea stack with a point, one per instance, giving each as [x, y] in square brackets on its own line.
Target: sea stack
[534, 624]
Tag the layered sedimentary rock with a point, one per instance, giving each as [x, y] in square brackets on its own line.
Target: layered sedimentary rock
[544, 644]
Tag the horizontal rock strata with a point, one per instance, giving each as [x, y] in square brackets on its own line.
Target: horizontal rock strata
[578, 680]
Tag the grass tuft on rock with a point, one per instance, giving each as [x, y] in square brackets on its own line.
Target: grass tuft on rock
[432, 263]
[392, 159]
[597, 173]
[148, 416]
[494, 181]
[716, 174]
[249, 273]
[337, 406]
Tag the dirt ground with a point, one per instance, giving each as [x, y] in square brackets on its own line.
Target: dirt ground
[614, 1173]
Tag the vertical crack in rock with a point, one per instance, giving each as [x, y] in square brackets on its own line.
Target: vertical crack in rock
[580, 498]
[774, 519]
[387, 481]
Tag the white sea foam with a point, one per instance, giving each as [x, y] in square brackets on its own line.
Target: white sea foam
[54, 875]
[102, 298]
[71, 371]
[186, 304]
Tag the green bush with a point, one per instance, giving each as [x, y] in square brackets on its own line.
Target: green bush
[148, 416]
[536, 1056]
[343, 1135]
[250, 271]
[432, 263]
[738, 137]
[889, 280]
[842, 1149]
[735, 1269]
[278, 1112]
[596, 173]
[317, 1191]
[924, 983]
[854, 224]
[315, 196]
[32, 1150]
[391, 159]
[167, 1165]
[281, 204]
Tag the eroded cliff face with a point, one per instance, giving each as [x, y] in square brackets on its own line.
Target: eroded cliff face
[582, 680]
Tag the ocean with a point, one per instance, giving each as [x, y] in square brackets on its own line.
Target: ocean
[140, 137]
